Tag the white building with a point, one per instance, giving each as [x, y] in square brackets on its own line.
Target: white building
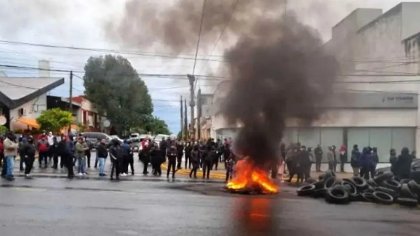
[379, 56]
[22, 100]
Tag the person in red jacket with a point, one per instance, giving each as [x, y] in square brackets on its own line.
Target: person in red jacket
[43, 152]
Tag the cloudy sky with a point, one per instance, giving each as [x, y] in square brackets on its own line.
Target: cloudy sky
[80, 23]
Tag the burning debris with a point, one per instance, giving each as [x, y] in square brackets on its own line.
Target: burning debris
[251, 179]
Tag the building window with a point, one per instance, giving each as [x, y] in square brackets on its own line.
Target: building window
[21, 112]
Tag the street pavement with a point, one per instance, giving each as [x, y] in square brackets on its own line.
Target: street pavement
[156, 206]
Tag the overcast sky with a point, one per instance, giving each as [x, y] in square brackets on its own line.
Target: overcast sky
[83, 23]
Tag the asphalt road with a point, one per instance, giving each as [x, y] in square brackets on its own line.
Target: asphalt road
[57, 206]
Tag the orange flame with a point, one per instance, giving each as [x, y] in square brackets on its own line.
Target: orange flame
[249, 176]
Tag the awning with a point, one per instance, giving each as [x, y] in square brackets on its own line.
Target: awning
[29, 122]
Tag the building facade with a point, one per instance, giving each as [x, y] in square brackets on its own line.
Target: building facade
[375, 100]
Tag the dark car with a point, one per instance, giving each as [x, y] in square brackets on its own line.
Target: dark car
[95, 137]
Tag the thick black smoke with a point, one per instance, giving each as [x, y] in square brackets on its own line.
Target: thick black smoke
[278, 67]
[279, 71]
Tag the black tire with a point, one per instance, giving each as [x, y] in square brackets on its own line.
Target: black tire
[329, 174]
[391, 184]
[404, 181]
[350, 187]
[407, 193]
[330, 182]
[318, 193]
[337, 194]
[359, 182]
[411, 202]
[372, 183]
[319, 185]
[382, 177]
[306, 190]
[383, 198]
[391, 192]
[414, 187]
[368, 197]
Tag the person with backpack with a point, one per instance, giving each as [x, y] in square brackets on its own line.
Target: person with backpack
[28, 155]
[43, 149]
[355, 160]
[195, 161]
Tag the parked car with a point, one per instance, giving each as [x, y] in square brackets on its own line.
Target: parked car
[95, 137]
[117, 138]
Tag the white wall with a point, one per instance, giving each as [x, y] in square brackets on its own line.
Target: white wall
[32, 109]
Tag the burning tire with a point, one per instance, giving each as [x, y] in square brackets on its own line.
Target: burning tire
[337, 194]
[359, 182]
[411, 202]
[306, 190]
[391, 184]
[383, 198]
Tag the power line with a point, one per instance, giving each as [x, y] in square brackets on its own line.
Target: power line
[199, 35]
[111, 51]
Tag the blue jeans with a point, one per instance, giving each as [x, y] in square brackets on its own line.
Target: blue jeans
[101, 162]
[10, 160]
[81, 164]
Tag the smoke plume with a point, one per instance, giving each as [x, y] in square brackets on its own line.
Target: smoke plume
[277, 66]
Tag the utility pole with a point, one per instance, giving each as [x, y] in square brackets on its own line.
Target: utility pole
[199, 111]
[191, 79]
[71, 97]
[181, 119]
[185, 119]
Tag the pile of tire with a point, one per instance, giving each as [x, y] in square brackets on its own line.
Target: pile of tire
[385, 188]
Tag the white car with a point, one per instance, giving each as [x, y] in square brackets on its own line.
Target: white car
[117, 138]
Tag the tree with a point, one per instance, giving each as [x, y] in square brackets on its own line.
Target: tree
[54, 119]
[114, 86]
[155, 125]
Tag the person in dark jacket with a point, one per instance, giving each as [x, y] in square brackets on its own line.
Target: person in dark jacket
[373, 162]
[126, 152]
[403, 165]
[393, 160]
[180, 153]
[195, 161]
[365, 162]
[116, 155]
[102, 154]
[188, 150]
[172, 155]
[305, 163]
[355, 160]
[66, 150]
[54, 153]
[209, 158]
[156, 160]
[318, 158]
[28, 154]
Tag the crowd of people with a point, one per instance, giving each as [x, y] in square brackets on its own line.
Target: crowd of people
[74, 153]
[299, 160]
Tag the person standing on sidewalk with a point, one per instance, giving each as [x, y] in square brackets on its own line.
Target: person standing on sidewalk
[102, 154]
[115, 153]
[28, 154]
[318, 158]
[172, 155]
[50, 140]
[355, 160]
[43, 152]
[65, 150]
[195, 161]
[54, 152]
[330, 158]
[343, 157]
[80, 155]
[22, 142]
[10, 152]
